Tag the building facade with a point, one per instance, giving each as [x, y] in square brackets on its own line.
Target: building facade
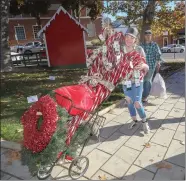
[24, 28]
[167, 39]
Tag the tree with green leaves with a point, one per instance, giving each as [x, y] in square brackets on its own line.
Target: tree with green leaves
[16, 7]
[170, 20]
[31, 7]
[76, 7]
[141, 13]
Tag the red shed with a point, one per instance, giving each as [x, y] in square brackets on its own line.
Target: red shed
[64, 39]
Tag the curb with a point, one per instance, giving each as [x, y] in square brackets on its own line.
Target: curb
[10, 145]
[107, 109]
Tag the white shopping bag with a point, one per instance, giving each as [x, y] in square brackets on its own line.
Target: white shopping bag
[158, 88]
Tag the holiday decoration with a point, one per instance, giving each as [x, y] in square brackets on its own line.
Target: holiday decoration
[63, 112]
[41, 134]
[64, 37]
[36, 152]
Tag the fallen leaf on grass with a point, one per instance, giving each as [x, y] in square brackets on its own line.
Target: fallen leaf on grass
[12, 155]
[163, 165]
[20, 94]
[147, 145]
[19, 130]
[102, 177]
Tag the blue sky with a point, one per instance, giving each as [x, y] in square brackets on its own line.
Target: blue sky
[171, 4]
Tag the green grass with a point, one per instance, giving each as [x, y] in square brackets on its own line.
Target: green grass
[16, 87]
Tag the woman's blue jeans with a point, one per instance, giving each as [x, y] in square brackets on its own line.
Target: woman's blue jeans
[134, 96]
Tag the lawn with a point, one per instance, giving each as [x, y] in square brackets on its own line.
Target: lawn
[16, 87]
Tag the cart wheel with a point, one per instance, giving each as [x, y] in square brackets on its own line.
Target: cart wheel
[78, 167]
[44, 172]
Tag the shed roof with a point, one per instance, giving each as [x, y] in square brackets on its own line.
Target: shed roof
[61, 9]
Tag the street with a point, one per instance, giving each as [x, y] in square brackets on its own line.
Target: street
[169, 57]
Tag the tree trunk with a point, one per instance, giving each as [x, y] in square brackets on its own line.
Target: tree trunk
[148, 17]
[78, 12]
[38, 20]
[74, 14]
[6, 62]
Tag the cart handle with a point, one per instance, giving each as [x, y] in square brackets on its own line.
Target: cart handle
[72, 105]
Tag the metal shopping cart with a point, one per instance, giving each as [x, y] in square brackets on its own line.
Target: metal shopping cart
[79, 164]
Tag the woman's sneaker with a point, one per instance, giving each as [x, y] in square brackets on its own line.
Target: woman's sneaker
[132, 124]
[146, 127]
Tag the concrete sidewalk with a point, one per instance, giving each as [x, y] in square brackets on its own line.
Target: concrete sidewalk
[124, 154]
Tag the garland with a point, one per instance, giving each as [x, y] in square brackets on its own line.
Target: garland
[54, 140]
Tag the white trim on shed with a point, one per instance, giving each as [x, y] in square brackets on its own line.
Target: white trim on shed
[48, 60]
[53, 18]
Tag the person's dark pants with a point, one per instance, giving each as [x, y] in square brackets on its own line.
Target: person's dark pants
[147, 84]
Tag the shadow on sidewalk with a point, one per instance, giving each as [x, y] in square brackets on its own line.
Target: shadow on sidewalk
[108, 132]
[165, 170]
[123, 104]
[175, 84]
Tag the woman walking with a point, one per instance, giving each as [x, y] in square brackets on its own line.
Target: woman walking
[133, 83]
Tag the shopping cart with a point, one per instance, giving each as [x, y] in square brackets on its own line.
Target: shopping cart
[79, 164]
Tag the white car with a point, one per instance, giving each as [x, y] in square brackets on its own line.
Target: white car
[29, 48]
[32, 47]
[17, 48]
[173, 48]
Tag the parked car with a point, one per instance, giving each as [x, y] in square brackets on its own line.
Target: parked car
[173, 48]
[17, 48]
[29, 48]
[32, 47]
[43, 51]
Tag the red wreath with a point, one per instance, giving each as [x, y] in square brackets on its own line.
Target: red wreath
[36, 139]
